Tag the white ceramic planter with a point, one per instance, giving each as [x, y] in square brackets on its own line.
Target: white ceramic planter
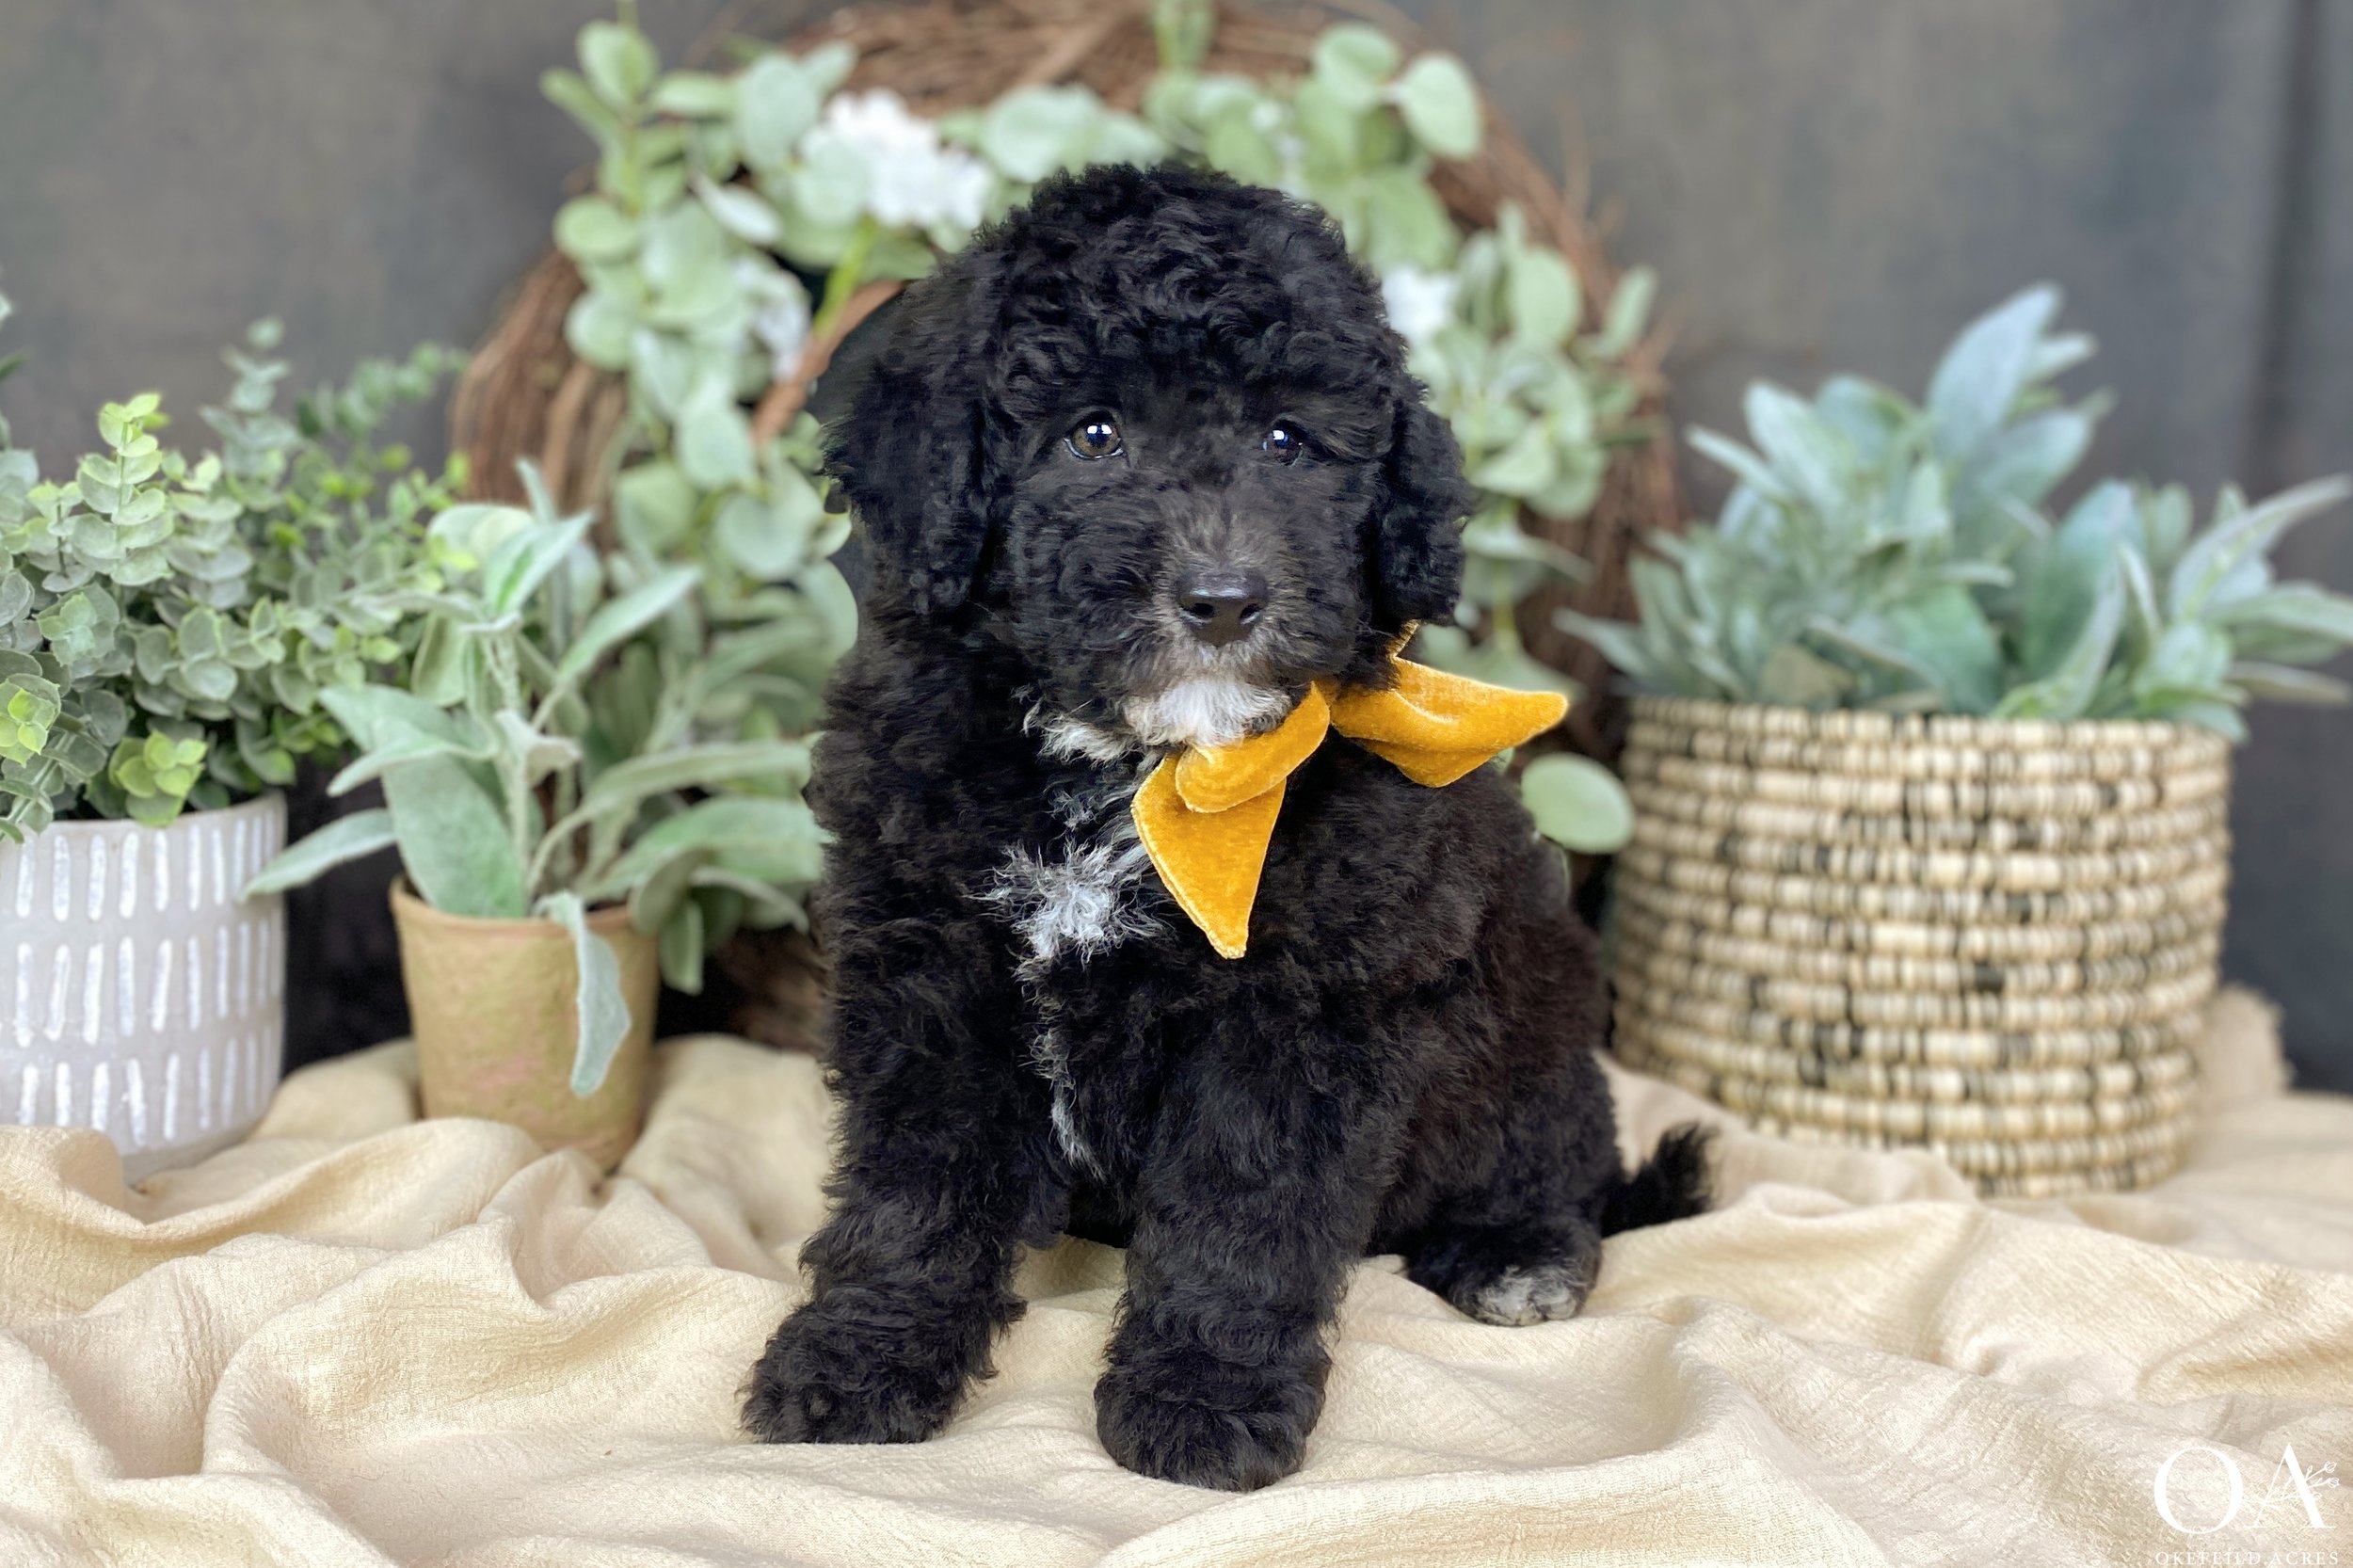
[138, 993]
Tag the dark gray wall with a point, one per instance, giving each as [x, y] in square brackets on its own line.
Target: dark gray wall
[1823, 184]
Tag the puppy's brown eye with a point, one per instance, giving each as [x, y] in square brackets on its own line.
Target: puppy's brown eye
[1096, 435]
[1282, 443]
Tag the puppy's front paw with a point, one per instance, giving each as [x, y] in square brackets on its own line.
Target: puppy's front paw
[828, 1377]
[1209, 1435]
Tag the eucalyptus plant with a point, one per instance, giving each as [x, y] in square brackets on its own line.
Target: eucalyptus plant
[715, 194]
[169, 623]
[1880, 554]
[569, 732]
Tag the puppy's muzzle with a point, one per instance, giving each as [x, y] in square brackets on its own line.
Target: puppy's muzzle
[1220, 604]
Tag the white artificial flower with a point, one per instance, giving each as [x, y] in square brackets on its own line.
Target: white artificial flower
[1420, 304]
[779, 314]
[912, 179]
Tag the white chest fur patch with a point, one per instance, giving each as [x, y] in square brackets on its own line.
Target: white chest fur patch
[1081, 902]
[1077, 898]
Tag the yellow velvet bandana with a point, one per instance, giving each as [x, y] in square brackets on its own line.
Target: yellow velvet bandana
[1206, 816]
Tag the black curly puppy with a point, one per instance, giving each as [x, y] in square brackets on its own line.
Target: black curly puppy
[1134, 470]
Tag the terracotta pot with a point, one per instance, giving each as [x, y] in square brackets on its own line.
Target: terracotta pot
[491, 1002]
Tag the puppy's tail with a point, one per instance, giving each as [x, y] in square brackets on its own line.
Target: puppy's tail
[1673, 1184]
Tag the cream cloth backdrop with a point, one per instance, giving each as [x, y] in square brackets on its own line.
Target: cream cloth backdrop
[363, 1338]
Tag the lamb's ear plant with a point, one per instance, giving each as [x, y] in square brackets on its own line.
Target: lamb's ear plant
[571, 733]
[1882, 554]
[167, 623]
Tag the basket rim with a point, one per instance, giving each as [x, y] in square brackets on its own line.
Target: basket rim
[1786, 721]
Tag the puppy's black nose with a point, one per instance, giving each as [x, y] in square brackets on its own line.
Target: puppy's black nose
[1221, 604]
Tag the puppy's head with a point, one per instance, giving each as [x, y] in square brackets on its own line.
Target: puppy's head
[1155, 432]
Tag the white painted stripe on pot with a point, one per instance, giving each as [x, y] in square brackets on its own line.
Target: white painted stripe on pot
[135, 1101]
[196, 983]
[204, 1088]
[24, 1020]
[28, 1097]
[195, 872]
[60, 981]
[245, 967]
[126, 989]
[220, 973]
[93, 992]
[65, 1094]
[219, 838]
[60, 880]
[24, 887]
[159, 1005]
[171, 1098]
[240, 839]
[129, 903]
[101, 1087]
[163, 873]
[98, 879]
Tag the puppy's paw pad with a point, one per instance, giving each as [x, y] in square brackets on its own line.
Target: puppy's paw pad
[1518, 1297]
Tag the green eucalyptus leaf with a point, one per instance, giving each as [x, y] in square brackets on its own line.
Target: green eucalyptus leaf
[697, 94]
[742, 212]
[1031, 131]
[775, 104]
[618, 61]
[653, 507]
[1440, 103]
[1543, 294]
[1577, 804]
[1353, 62]
[714, 445]
[597, 328]
[591, 229]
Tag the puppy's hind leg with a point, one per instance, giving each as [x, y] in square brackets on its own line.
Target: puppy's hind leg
[1524, 1246]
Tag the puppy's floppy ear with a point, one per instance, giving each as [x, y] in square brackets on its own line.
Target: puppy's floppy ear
[912, 452]
[1416, 545]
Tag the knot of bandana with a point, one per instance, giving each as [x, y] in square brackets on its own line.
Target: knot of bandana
[1206, 814]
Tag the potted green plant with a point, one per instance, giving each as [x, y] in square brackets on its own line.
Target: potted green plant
[580, 803]
[715, 194]
[1931, 789]
[167, 625]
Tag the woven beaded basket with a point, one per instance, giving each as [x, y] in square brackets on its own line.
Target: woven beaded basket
[1993, 939]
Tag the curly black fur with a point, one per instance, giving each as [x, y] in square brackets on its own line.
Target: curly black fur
[1028, 1038]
